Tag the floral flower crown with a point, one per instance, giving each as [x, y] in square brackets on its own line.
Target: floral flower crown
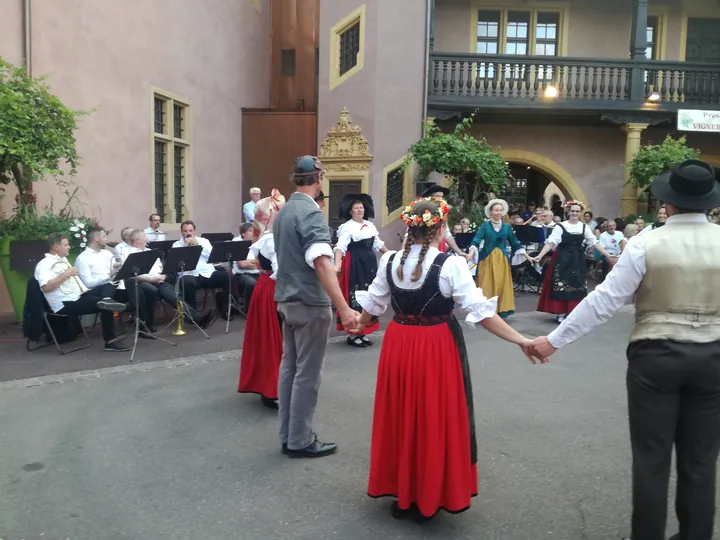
[581, 204]
[427, 219]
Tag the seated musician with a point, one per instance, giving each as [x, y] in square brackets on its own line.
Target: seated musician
[119, 250]
[66, 294]
[245, 273]
[97, 266]
[153, 232]
[205, 276]
[154, 286]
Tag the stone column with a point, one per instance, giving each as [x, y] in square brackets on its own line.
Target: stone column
[629, 201]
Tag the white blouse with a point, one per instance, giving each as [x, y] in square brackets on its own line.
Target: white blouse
[265, 247]
[455, 282]
[353, 231]
[573, 228]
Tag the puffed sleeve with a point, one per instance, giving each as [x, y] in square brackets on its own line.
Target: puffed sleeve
[377, 298]
[556, 235]
[253, 251]
[377, 243]
[457, 281]
[590, 238]
[344, 234]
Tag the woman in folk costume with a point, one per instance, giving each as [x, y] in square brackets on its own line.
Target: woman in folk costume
[262, 344]
[423, 449]
[565, 283]
[355, 258]
[491, 242]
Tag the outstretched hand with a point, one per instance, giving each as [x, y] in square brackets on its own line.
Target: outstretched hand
[531, 354]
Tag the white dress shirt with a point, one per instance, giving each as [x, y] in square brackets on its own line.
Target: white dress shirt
[455, 281]
[318, 249]
[69, 291]
[572, 228]
[154, 235]
[155, 271]
[617, 290]
[95, 266]
[203, 268]
[235, 269]
[249, 211]
[354, 231]
[265, 247]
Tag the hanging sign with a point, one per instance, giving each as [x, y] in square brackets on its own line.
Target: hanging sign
[693, 120]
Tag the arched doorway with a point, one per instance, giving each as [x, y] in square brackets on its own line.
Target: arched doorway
[539, 173]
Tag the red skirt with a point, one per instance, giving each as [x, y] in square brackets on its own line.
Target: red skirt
[262, 344]
[344, 281]
[420, 450]
[546, 304]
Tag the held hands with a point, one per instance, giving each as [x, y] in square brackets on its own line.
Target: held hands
[350, 320]
[541, 348]
[532, 354]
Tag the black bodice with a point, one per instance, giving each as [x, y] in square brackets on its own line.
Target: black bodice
[265, 264]
[361, 245]
[426, 305]
[572, 240]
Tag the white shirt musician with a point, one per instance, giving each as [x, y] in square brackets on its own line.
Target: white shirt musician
[153, 232]
[67, 295]
[97, 264]
[205, 276]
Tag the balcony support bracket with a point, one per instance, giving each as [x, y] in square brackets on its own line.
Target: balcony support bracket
[625, 119]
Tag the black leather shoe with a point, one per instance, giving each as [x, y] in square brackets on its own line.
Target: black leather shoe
[314, 450]
[269, 403]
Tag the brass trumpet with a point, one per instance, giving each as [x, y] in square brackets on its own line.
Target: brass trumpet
[74, 284]
[180, 329]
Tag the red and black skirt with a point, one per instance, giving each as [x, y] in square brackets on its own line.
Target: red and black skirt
[565, 282]
[423, 449]
[262, 344]
[359, 268]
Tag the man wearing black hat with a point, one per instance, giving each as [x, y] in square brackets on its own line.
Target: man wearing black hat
[436, 190]
[306, 284]
[673, 376]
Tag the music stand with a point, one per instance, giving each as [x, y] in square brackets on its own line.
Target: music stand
[138, 264]
[218, 237]
[162, 246]
[464, 240]
[229, 252]
[526, 235]
[182, 259]
[25, 254]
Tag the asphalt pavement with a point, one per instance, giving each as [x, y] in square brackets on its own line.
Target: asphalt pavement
[169, 450]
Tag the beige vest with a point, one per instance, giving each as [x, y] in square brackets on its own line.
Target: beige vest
[679, 297]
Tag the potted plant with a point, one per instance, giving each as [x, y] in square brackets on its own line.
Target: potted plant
[37, 141]
[473, 166]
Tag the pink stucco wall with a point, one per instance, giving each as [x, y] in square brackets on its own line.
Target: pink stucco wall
[107, 55]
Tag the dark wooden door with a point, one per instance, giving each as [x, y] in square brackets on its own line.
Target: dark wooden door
[338, 189]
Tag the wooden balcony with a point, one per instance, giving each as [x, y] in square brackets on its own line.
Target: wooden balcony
[461, 82]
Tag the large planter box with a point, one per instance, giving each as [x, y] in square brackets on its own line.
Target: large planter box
[17, 281]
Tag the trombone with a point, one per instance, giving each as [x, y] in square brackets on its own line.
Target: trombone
[74, 283]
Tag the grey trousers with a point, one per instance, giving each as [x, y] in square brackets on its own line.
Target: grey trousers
[305, 333]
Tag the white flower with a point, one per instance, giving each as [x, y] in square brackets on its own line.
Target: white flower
[77, 235]
[82, 231]
[83, 244]
[74, 229]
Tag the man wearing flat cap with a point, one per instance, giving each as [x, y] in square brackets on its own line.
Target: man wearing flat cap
[306, 285]
[673, 375]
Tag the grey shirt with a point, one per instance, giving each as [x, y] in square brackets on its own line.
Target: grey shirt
[301, 235]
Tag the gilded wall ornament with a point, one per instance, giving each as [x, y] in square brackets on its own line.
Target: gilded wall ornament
[345, 148]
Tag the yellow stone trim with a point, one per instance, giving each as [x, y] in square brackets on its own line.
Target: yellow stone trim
[661, 12]
[629, 200]
[408, 191]
[334, 176]
[171, 98]
[359, 15]
[557, 174]
[503, 6]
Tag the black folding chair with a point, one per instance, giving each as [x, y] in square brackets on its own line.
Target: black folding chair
[57, 328]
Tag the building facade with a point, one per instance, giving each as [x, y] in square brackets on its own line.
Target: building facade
[568, 89]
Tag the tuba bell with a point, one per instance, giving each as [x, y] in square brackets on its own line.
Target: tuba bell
[72, 285]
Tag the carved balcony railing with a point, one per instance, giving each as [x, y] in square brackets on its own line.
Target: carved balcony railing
[523, 81]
